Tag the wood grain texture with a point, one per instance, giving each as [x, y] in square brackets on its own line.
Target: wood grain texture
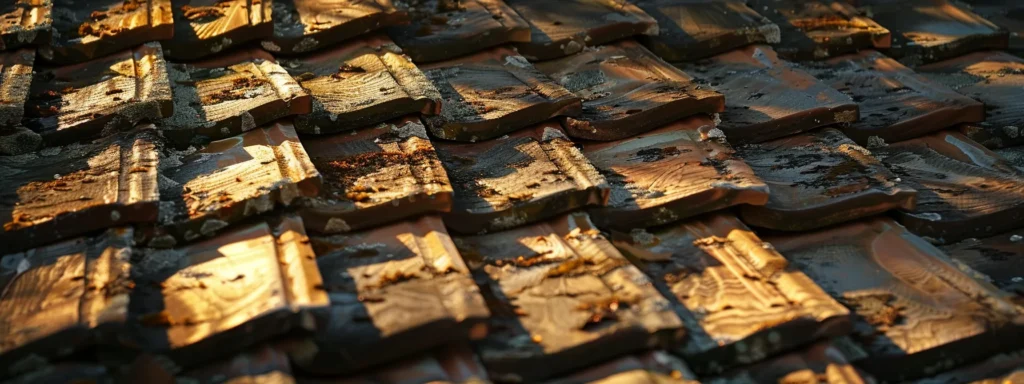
[453, 364]
[15, 80]
[999, 258]
[25, 22]
[917, 312]
[963, 189]
[445, 29]
[64, 192]
[1008, 15]
[818, 29]
[528, 176]
[395, 291]
[62, 298]
[90, 29]
[1004, 368]
[199, 303]
[99, 97]
[375, 176]
[306, 25]
[741, 302]
[229, 180]
[896, 103]
[204, 27]
[653, 367]
[1013, 155]
[820, 178]
[627, 90]
[767, 98]
[677, 171]
[359, 84]
[565, 27]
[561, 299]
[824, 362]
[692, 30]
[492, 93]
[263, 364]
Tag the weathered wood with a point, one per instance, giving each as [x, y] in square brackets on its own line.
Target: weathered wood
[917, 312]
[15, 79]
[204, 27]
[1008, 15]
[562, 28]
[61, 298]
[99, 97]
[925, 31]
[63, 192]
[25, 22]
[375, 176]
[999, 258]
[1013, 155]
[528, 176]
[768, 98]
[492, 93]
[90, 29]
[229, 180]
[455, 364]
[627, 90]
[654, 367]
[963, 189]
[895, 102]
[66, 372]
[677, 171]
[445, 29]
[818, 179]
[306, 25]
[18, 141]
[359, 84]
[395, 291]
[263, 364]
[825, 362]
[1005, 368]
[818, 29]
[740, 301]
[694, 29]
[229, 95]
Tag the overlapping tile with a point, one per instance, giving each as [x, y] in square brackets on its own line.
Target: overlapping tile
[677, 171]
[229, 180]
[917, 313]
[203, 28]
[231, 94]
[654, 367]
[561, 299]
[25, 22]
[691, 30]
[818, 179]
[62, 192]
[67, 372]
[262, 364]
[1013, 155]
[374, 176]
[767, 98]
[361, 83]
[1004, 368]
[446, 29]
[99, 97]
[530, 175]
[58, 299]
[395, 291]
[492, 93]
[15, 79]
[307, 25]
[450, 364]
[963, 189]
[999, 258]
[895, 102]
[817, 29]
[89, 30]
[825, 362]
[627, 90]
[740, 301]
[1007, 14]
[565, 27]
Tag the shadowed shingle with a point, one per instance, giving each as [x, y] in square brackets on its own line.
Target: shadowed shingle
[307, 25]
[15, 79]
[84, 30]
[654, 367]
[1000, 258]
[818, 29]
[25, 22]
[695, 29]
[564, 27]
[825, 362]
[203, 28]
[446, 29]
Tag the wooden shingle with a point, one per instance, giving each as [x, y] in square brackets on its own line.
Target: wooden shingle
[454, 363]
[25, 22]
[1000, 258]
[818, 29]
[263, 364]
[85, 30]
[203, 28]
[925, 31]
[15, 80]
[306, 25]
[561, 28]
[1007, 15]
[446, 29]
[692, 30]
[1004, 368]
[824, 362]
[653, 367]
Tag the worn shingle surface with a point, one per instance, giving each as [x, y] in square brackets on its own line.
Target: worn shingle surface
[203, 28]
[925, 31]
[817, 29]
[445, 29]
[565, 27]
[691, 30]
[84, 30]
[25, 22]
[302, 26]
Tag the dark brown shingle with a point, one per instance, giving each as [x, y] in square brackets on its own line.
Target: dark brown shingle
[446, 29]
[306, 25]
[85, 30]
[691, 30]
[202, 28]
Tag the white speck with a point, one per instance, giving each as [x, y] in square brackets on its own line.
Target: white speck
[56, 176]
[930, 216]
[517, 61]
[1016, 238]
[1017, 279]
[115, 215]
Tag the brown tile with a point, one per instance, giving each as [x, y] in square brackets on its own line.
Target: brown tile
[99, 97]
[395, 291]
[1007, 15]
[963, 189]
[562, 28]
[445, 29]
[63, 192]
[262, 364]
[895, 102]
[198, 303]
[450, 364]
[527, 176]
[25, 22]
[916, 311]
[93, 29]
[627, 90]
[203, 28]
[653, 367]
[229, 180]
[492, 93]
[1005, 368]
[925, 31]
[767, 98]
[361, 83]
[66, 372]
[231, 94]
[1013, 155]
[15, 79]
[740, 300]
[818, 179]
[691, 30]
[818, 29]
[825, 362]
[61, 298]
[999, 258]
[677, 171]
[307, 25]
[561, 299]
[375, 176]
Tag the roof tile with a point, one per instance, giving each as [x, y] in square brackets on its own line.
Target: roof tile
[445, 29]
[826, 362]
[691, 30]
[1007, 15]
[202, 28]
[1005, 368]
[561, 28]
[653, 367]
[925, 31]
[450, 364]
[66, 372]
[262, 364]
[15, 79]
[999, 258]
[817, 29]
[89, 30]
[26, 22]
[306, 25]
